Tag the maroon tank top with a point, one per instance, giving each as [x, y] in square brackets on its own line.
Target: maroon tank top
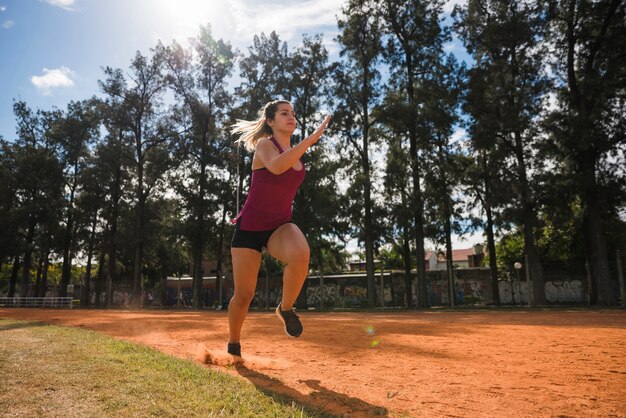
[270, 199]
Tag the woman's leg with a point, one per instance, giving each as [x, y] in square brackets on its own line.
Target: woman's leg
[246, 263]
[289, 245]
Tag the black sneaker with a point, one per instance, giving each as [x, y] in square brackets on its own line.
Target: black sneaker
[293, 326]
[234, 349]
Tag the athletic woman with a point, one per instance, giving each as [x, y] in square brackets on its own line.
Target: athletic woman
[265, 219]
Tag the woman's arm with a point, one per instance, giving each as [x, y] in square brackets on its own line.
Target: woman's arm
[278, 163]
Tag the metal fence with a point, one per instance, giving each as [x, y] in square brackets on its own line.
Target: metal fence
[43, 302]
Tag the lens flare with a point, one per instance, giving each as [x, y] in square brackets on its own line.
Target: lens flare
[371, 332]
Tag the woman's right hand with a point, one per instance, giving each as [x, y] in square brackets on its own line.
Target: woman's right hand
[317, 134]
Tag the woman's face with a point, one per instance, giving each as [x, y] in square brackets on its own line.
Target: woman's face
[285, 120]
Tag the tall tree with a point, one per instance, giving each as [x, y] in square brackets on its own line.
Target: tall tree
[503, 38]
[8, 201]
[199, 79]
[40, 179]
[152, 137]
[262, 73]
[414, 47]
[398, 191]
[589, 42]
[91, 201]
[440, 94]
[357, 93]
[73, 132]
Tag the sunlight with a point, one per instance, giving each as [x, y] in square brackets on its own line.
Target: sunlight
[185, 16]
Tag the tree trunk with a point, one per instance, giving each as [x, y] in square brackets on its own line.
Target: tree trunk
[418, 214]
[493, 265]
[369, 245]
[418, 201]
[99, 282]
[449, 260]
[112, 228]
[39, 271]
[369, 239]
[68, 240]
[220, 250]
[197, 275]
[85, 293]
[528, 224]
[406, 256]
[199, 241]
[14, 272]
[28, 258]
[596, 242]
[44, 277]
[139, 243]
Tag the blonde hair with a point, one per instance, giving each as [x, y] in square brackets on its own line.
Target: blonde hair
[252, 131]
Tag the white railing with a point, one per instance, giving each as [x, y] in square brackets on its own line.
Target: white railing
[44, 302]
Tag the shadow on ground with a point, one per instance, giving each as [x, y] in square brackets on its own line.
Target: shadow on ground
[321, 399]
[19, 325]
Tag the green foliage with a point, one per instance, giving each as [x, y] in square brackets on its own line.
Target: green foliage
[509, 250]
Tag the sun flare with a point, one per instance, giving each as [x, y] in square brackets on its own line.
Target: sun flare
[187, 15]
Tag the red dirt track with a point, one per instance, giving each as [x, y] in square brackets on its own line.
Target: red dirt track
[421, 364]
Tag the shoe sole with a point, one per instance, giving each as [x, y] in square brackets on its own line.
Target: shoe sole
[284, 323]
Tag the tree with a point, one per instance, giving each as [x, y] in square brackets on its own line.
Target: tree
[589, 41]
[73, 133]
[398, 191]
[8, 201]
[113, 156]
[414, 46]
[151, 134]
[357, 93]
[502, 37]
[39, 183]
[198, 78]
[91, 201]
[444, 162]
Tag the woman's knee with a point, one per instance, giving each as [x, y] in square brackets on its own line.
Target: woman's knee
[299, 257]
[243, 297]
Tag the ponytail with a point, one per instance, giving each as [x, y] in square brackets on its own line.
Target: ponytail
[252, 131]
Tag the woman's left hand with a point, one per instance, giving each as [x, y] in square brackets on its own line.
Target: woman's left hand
[317, 134]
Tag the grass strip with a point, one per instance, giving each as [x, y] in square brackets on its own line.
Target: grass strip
[55, 371]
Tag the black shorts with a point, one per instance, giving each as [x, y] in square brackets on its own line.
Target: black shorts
[255, 240]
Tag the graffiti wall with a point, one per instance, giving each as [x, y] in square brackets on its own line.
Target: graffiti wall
[470, 286]
[474, 286]
[565, 291]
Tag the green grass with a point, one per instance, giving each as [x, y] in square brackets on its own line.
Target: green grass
[48, 370]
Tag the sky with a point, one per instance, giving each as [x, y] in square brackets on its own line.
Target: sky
[53, 51]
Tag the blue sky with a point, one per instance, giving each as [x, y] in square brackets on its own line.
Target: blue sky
[52, 51]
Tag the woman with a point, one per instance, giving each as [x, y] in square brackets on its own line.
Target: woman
[265, 219]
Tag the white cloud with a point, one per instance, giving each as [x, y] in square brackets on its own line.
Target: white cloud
[63, 4]
[51, 79]
[459, 135]
[449, 6]
[286, 19]
[7, 24]
[3, 8]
